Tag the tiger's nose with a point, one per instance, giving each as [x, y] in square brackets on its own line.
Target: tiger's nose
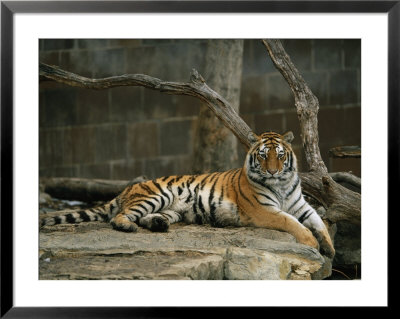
[272, 171]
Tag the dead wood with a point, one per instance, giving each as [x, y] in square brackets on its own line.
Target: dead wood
[84, 189]
[340, 203]
[346, 178]
[345, 152]
[195, 87]
[214, 145]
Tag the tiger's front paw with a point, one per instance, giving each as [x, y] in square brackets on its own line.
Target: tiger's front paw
[307, 238]
[327, 249]
[326, 245]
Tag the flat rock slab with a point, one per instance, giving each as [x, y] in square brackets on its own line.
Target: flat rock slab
[96, 251]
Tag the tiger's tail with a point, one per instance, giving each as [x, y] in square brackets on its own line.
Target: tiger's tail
[100, 213]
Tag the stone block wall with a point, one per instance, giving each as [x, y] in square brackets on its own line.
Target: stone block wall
[124, 132]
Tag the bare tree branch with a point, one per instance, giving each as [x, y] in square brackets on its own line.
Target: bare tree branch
[345, 152]
[340, 203]
[343, 177]
[306, 103]
[196, 87]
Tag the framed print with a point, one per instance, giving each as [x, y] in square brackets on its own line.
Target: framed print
[111, 126]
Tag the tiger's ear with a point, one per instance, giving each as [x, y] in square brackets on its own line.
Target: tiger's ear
[288, 137]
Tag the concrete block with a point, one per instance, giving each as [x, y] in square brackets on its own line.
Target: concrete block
[79, 145]
[58, 44]
[352, 53]
[327, 54]
[102, 170]
[142, 140]
[60, 107]
[268, 122]
[126, 104]
[111, 142]
[127, 170]
[92, 106]
[343, 87]
[176, 137]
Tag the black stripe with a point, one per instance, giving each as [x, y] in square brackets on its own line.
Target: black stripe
[303, 217]
[147, 189]
[196, 193]
[212, 213]
[138, 195]
[203, 181]
[178, 178]
[234, 174]
[201, 206]
[295, 202]
[191, 179]
[136, 211]
[211, 197]
[142, 206]
[165, 178]
[162, 202]
[103, 216]
[240, 190]
[296, 183]
[268, 197]
[150, 203]
[57, 220]
[272, 191]
[84, 216]
[140, 200]
[259, 180]
[161, 190]
[194, 208]
[189, 197]
[69, 218]
[165, 215]
[221, 196]
[179, 190]
[261, 203]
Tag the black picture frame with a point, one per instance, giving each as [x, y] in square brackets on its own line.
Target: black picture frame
[9, 8]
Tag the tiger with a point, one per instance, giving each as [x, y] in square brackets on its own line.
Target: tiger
[265, 192]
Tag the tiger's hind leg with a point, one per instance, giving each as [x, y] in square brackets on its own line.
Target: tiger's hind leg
[159, 222]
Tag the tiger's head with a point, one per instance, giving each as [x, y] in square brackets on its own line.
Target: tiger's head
[271, 157]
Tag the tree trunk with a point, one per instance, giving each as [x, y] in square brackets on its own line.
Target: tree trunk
[215, 147]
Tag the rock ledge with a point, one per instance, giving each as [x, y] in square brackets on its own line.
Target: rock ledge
[95, 251]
